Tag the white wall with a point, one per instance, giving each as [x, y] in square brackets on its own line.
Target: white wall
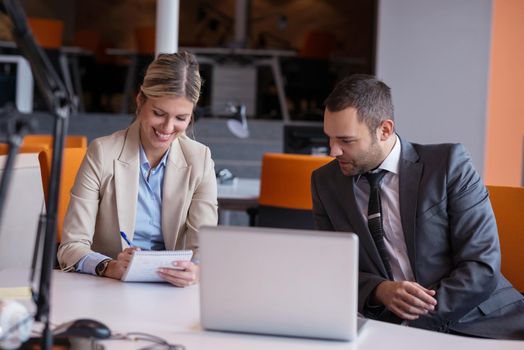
[434, 54]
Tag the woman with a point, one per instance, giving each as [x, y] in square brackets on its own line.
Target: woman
[149, 181]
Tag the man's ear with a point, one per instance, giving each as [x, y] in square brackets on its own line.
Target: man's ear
[386, 129]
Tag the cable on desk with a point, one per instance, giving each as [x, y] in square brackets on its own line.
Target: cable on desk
[4, 335]
[159, 343]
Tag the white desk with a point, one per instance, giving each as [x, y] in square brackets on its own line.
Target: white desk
[241, 195]
[173, 313]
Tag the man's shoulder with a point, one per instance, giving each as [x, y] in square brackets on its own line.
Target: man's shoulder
[327, 168]
[433, 151]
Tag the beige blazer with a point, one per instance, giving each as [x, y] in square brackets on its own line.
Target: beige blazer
[104, 197]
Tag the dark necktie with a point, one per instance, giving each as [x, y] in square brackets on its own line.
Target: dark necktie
[375, 216]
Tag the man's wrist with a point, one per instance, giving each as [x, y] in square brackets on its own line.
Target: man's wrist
[375, 300]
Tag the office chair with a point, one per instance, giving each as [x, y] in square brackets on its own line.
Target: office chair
[70, 164]
[71, 141]
[508, 205]
[31, 148]
[285, 190]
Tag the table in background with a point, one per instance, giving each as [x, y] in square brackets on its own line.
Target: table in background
[215, 56]
[69, 68]
[240, 195]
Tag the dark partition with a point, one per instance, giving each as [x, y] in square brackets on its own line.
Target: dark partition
[305, 139]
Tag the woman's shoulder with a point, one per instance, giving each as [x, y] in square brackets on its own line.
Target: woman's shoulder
[116, 137]
[192, 146]
[109, 145]
[194, 152]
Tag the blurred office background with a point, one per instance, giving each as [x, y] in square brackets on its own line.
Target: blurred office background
[454, 67]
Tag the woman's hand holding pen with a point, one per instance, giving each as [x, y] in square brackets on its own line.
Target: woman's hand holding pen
[116, 268]
[185, 273]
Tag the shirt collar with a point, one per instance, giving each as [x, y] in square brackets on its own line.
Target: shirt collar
[392, 161]
[145, 163]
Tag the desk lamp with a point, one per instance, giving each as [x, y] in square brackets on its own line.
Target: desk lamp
[237, 124]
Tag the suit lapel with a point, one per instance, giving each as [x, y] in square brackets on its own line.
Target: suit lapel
[127, 170]
[357, 223]
[410, 172]
[176, 183]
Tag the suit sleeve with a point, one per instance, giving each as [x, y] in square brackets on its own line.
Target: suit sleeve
[203, 210]
[474, 245]
[80, 218]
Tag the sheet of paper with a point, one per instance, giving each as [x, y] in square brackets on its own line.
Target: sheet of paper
[144, 264]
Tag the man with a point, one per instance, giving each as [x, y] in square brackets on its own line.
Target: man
[429, 251]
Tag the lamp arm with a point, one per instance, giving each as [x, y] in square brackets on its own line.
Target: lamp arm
[60, 103]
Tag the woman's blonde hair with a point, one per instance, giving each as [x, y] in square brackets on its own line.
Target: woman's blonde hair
[173, 74]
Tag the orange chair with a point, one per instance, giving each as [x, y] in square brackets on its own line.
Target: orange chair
[32, 148]
[89, 39]
[145, 40]
[71, 161]
[285, 190]
[47, 32]
[70, 141]
[318, 44]
[508, 205]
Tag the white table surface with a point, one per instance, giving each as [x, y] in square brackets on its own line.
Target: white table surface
[241, 188]
[239, 195]
[173, 313]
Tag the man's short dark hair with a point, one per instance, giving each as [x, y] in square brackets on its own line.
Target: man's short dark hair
[370, 96]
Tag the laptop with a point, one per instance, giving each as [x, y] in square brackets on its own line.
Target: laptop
[22, 208]
[284, 282]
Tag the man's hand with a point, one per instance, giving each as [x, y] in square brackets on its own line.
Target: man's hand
[408, 300]
[116, 268]
[184, 274]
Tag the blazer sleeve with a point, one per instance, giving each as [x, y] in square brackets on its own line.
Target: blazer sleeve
[474, 245]
[203, 209]
[80, 218]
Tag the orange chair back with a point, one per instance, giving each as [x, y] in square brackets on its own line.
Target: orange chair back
[318, 44]
[32, 148]
[70, 141]
[72, 159]
[88, 39]
[286, 179]
[145, 40]
[47, 32]
[508, 205]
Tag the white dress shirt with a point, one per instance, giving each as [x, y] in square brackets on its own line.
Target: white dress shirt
[389, 195]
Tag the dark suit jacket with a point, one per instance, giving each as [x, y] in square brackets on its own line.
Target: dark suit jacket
[451, 237]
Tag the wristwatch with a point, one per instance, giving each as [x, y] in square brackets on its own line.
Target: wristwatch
[102, 267]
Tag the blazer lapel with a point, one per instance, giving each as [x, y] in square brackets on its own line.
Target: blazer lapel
[175, 189]
[127, 170]
[410, 172]
[358, 225]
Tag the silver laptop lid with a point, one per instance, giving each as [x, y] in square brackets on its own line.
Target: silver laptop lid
[279, 281]
[23, 206]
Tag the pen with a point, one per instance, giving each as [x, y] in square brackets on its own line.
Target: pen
[124, 236]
